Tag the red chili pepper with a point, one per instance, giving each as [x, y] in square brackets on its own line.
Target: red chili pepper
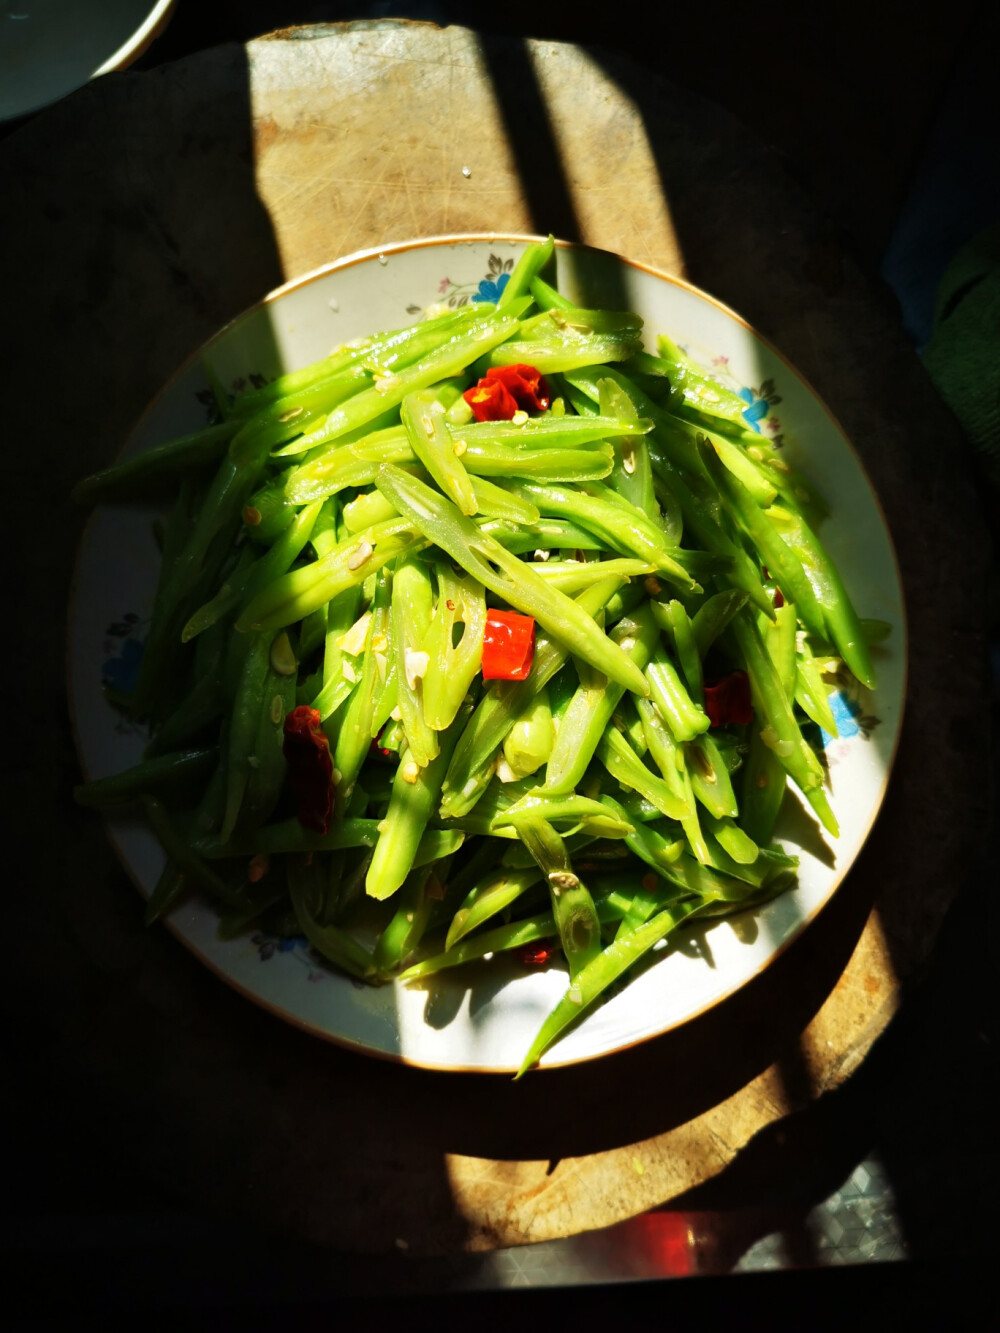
[504, 390]
[490, 401]
[526, 385]
[536, 954]
[728, 699]
[508, 646]
[310, 768]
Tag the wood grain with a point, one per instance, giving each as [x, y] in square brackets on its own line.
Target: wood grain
[147, 210]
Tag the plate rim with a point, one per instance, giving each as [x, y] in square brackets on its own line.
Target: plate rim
[494, 237]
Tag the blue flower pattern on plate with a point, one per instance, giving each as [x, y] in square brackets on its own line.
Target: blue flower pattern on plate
[121, 672]
[757, 409]
[845, 711]
[490, 290]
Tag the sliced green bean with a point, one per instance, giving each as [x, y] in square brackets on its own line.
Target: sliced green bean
[412, 607]
[415, 795]
[604, 968]
[452, 666]
[572, 906]
[178, 769]
[489, 896]
[516, 582]
[592, 706]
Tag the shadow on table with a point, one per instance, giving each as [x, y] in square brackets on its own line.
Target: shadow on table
[215, 1099]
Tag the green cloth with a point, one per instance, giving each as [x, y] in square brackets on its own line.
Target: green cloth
[963, 354]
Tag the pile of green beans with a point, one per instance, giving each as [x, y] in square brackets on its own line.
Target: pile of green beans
[337, 539]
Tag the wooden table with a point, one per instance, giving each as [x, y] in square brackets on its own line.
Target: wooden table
[147, 210]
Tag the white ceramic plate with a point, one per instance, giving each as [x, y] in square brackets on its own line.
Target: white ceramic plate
[49, 48]
[484, 1018]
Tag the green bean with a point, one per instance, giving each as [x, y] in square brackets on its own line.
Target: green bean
[694, 388]
[139, 475]
[604, 968]
[330, 941]
[301, 591]
[649, 842]
[337, 685]
[626, 767]
[406, 927]
[168, 891]
[528, 744]
[539, 434]
[532, 260]
[383, 350]
[572, 906]
[671, 759]
[700, 515]
[779, 637]
[367, 509]
[472, 764]
[416, 792]
[580, 813]
[592, 706]
[267, 760]
[592, 463]
[575, 575]
[684, 717]
[500, 939]
[780, 559]
[389, 391]
[494, 502]
[561, 353]
[489, 896]
[710, 777]
[412, 607]
[628, 532]
[244, 719]
[840, 620]
[508, 577]
[353, 738]
[248, 580]
[169, 771]
[548, 534]
[452, 666]
[185, 857]
[780, 730]
[810, 692]
[632, 477]
[739, 849]
[713, 616]
[433, 446]
[686, 648]
[763, 788]
[546, 297]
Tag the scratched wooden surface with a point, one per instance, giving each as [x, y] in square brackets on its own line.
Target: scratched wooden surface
[144, 212]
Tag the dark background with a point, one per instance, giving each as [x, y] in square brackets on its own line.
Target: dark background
[889, 122]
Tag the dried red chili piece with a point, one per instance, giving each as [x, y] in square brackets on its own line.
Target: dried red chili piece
[728, 699]
[310, 768]
[490, 400]
[525, 384]
[536, 954]
[508, 646]
[504, 390]
[778, 600]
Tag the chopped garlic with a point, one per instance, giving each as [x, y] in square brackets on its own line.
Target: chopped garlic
[353, 641]
[363, 553]
[416, 666]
